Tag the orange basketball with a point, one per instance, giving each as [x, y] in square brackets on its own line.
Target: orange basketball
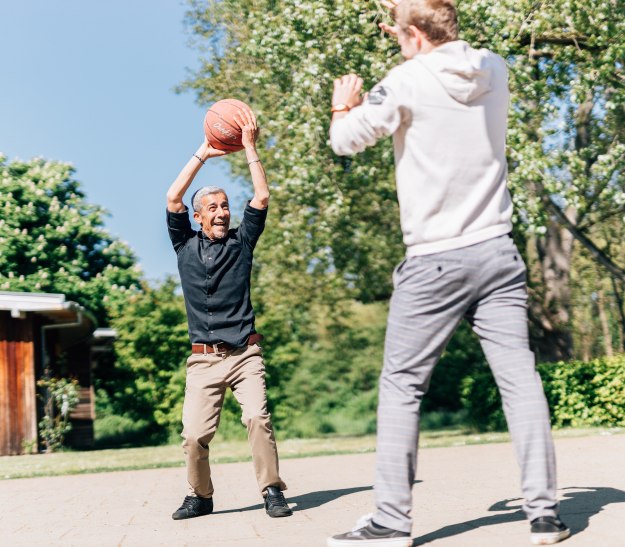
[220, 128]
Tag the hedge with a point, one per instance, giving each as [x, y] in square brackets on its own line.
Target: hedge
[580, 394]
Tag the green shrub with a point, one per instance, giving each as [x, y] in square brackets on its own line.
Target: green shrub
[114, 431]
[481, 401]
[59, 397]
[586, 394]
[580, 394]
[435, 420]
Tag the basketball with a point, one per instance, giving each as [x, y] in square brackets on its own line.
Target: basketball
[220, 128]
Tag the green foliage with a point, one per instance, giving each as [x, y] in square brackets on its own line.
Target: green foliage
[481, 400]
[461, 358]
[59, 397]
[147, 381]
[113, 431]
[333, 226]
[565, 137]
[580, 394]
[333, 230]
[333, 389]
[586, 394]
[52, 240]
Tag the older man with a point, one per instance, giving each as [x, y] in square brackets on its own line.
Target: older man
[215, 265]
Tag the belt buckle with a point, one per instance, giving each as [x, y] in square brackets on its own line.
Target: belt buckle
[216, 349]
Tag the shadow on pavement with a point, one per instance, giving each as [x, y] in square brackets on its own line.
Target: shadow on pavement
[307, 501]
[578, 505]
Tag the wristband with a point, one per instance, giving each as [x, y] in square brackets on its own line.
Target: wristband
[201, 160]
[253, 161]
[340, 107]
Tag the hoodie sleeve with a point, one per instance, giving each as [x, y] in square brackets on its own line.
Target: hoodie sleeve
[378, 116]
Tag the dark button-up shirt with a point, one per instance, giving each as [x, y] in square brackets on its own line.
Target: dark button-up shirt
[215, 277]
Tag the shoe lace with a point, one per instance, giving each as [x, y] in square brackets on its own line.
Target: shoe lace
[363, 521]
[189, 502]
[277, 499]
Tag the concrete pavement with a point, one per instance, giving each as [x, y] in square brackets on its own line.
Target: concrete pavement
[464, 496]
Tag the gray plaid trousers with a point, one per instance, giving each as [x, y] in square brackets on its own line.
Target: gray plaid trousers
[486, 284]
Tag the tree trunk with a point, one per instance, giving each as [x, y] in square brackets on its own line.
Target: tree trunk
[550, 309]
[621, 312]
[605, 324]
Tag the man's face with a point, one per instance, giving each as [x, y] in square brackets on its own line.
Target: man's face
[214, 216]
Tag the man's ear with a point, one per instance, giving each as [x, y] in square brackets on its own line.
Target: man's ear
[197, 217]
[415, 33]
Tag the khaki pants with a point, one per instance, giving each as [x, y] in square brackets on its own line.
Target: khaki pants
[208, 376]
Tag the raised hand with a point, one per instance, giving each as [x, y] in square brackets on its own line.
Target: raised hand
[246, 120]
[207, 151]
[390, 29]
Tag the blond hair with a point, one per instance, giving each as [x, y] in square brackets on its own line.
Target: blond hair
[437, 19]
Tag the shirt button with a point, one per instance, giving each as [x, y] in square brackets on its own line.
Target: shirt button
[211, 332]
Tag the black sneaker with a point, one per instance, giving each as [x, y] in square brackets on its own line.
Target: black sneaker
[275, 504]
[548, 530]
[370, 534]
[193, 506]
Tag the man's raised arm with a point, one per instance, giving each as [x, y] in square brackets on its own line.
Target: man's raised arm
[185, 178]
[249, 129]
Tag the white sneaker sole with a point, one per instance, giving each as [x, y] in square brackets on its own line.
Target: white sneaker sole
[549, 539]
[392, 542]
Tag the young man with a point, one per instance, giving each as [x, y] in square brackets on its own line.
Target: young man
[446, 107]
[215, 265]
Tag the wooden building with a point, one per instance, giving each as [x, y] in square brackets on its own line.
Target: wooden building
[44, 334]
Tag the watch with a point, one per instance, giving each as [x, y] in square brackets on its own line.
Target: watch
[340, 107]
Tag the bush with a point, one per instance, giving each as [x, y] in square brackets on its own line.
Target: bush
[586, 394]
[333, 388]
[59, 397]
[121, 431]
[580, 394]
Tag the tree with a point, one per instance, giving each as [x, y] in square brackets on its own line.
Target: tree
[334, 229]
[333, 219]
[53, 240]
[565, 140]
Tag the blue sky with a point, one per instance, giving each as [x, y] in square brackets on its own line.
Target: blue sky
[91, 83]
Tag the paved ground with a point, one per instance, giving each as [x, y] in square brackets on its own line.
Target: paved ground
[465, 496]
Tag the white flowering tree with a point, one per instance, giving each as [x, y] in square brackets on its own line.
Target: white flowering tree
[333, 229]
[53, 240]
[566, 140]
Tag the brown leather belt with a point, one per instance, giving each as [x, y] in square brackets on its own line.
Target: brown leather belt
[222, 347]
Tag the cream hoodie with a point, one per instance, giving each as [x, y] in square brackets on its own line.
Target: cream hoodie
[447, 112]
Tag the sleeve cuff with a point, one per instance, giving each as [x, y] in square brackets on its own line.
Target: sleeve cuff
[253, 214]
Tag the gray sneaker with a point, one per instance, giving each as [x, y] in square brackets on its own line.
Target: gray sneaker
[548, 530]
[369, 534]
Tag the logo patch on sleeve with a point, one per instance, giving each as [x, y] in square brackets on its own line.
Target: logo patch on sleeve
[377, 95]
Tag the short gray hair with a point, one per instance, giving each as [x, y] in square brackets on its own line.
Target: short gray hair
[196, 200]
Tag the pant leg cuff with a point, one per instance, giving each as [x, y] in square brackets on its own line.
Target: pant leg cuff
[387, 521]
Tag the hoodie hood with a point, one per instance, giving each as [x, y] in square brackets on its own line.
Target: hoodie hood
[464, 72]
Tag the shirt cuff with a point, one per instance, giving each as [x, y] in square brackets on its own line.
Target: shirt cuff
[253, 214]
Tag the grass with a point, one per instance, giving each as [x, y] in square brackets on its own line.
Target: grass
[97, 461]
